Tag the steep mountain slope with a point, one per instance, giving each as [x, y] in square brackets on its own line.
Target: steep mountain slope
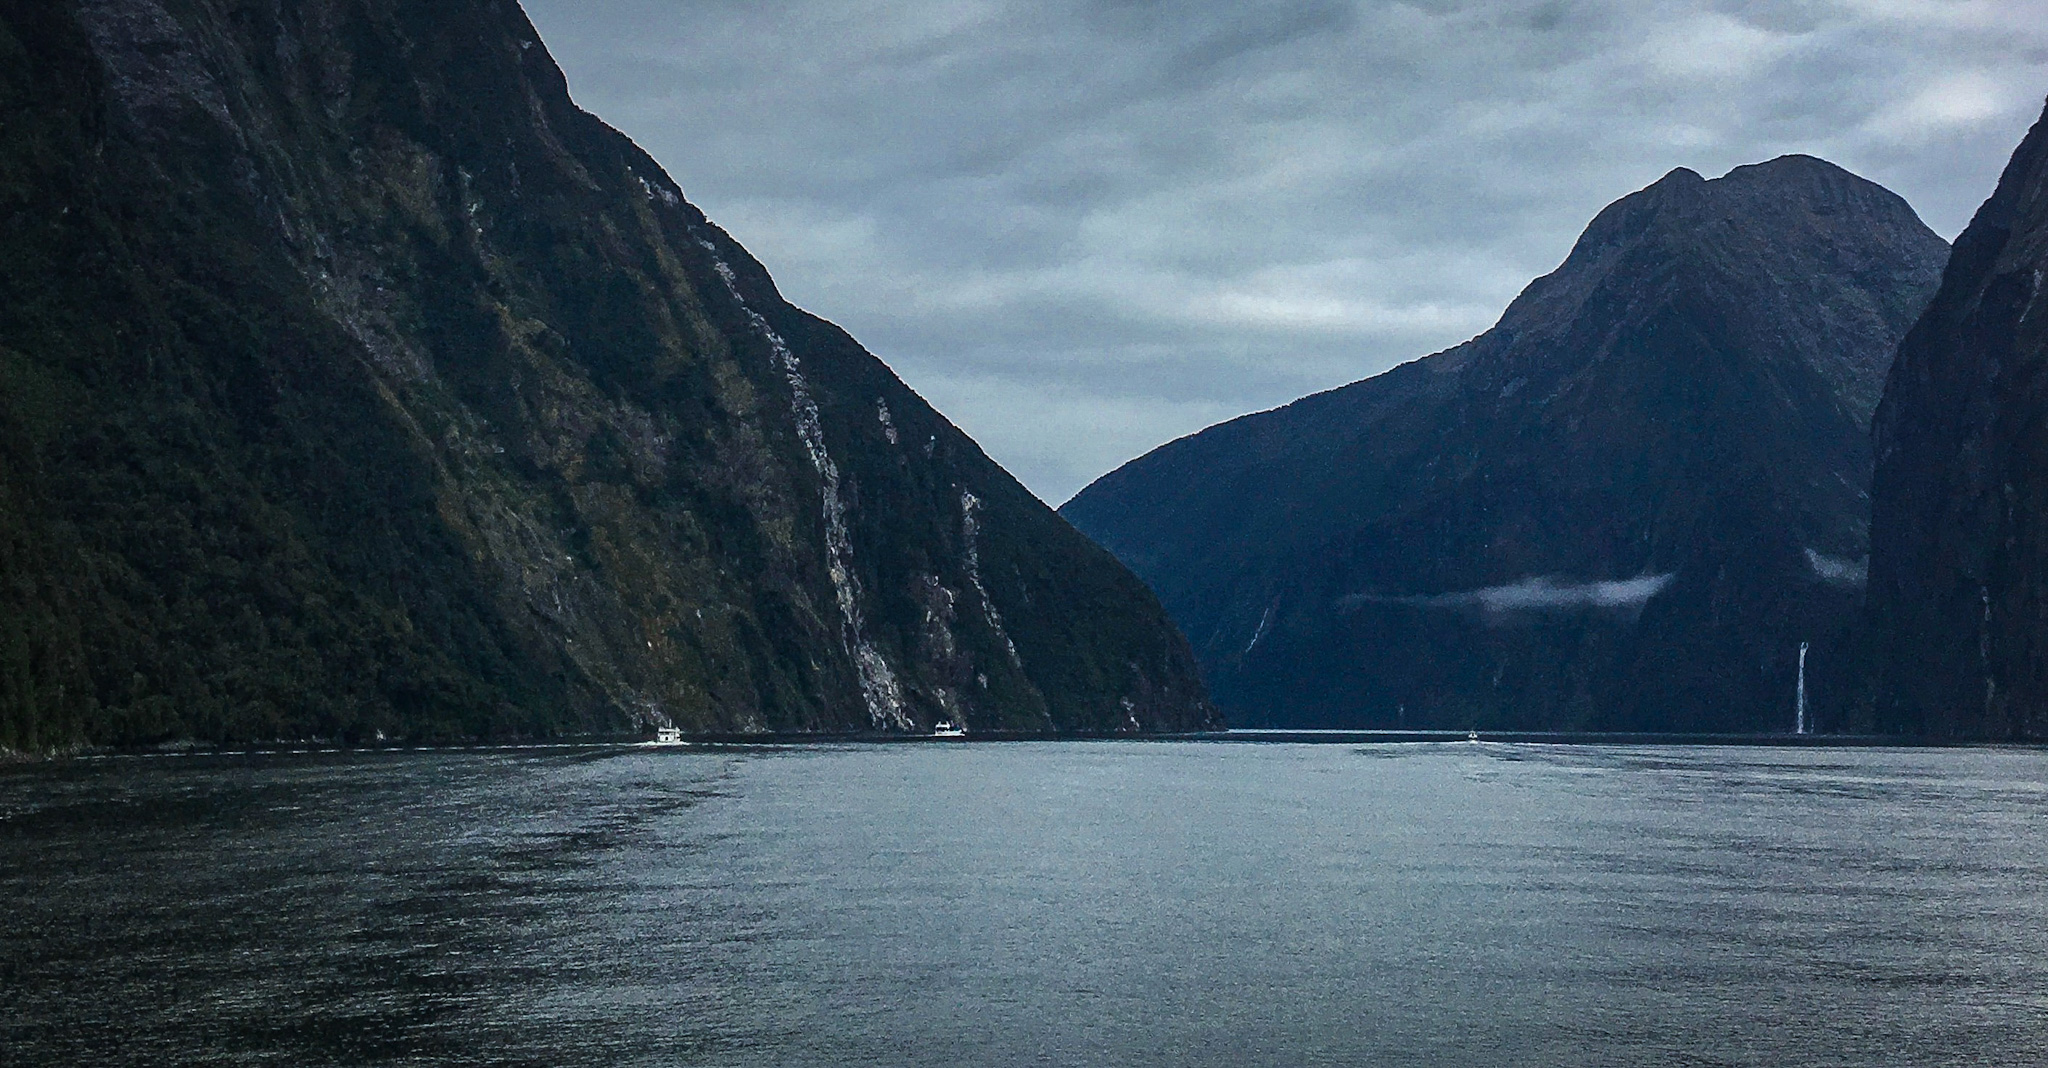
[353, 381]
[1959, 549]
[1623, 507]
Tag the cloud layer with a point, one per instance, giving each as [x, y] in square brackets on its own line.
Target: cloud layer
[1085, 227]
[1542, 593]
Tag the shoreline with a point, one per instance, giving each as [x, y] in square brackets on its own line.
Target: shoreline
[1250, 736]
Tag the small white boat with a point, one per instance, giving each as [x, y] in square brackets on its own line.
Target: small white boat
[1471, 736]
[946, 728]
[667, 736]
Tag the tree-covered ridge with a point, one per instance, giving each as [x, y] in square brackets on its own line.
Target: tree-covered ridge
[353, 381]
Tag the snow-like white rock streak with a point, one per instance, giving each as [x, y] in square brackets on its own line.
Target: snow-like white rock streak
[878, 685]
[971, 530]
[661, 193]
[1264, 621]
[888, 424]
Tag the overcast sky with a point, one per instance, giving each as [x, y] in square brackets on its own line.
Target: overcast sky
[1082, 228]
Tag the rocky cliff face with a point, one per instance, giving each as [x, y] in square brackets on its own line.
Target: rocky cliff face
[1623, 507]
[1959, 550]
[352, 380]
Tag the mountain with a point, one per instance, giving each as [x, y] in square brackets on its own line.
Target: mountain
[355, 382]
[1623, 507]
[1959, 557]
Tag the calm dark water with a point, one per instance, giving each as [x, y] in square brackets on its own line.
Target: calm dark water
[1061, 904]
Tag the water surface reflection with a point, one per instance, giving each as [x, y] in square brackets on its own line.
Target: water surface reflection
[1090, 903]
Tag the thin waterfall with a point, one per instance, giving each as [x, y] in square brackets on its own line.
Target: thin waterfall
[1802, 726]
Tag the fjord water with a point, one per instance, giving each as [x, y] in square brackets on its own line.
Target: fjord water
[1026, 904]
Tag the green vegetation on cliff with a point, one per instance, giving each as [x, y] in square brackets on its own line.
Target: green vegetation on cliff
[353, 381]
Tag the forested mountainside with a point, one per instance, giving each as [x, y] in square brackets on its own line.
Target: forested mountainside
[1959, 531]
[1622, 508]
[353, 381]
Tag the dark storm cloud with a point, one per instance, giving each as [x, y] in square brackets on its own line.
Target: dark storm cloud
[1083, 227]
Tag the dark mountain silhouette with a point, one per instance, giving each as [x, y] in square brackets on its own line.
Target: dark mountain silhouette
[1959, 549]
[352, 380]
[1623, 507]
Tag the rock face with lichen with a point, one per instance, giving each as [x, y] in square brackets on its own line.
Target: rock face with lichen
[1622, 508]
[352, 380]
[1959, 551]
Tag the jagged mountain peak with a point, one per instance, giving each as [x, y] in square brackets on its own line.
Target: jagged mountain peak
[1750, 202]
[1759, 235]
[1676, 412]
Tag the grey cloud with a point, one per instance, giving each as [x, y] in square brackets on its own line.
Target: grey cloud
[1084, 227]
[1839, 570]
[1542, 593]
[1256, 28]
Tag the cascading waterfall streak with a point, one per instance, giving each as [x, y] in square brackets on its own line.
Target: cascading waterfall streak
[878, 686]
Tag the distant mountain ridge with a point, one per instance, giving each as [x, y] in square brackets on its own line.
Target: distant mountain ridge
[1623, 507]
[355, 382]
